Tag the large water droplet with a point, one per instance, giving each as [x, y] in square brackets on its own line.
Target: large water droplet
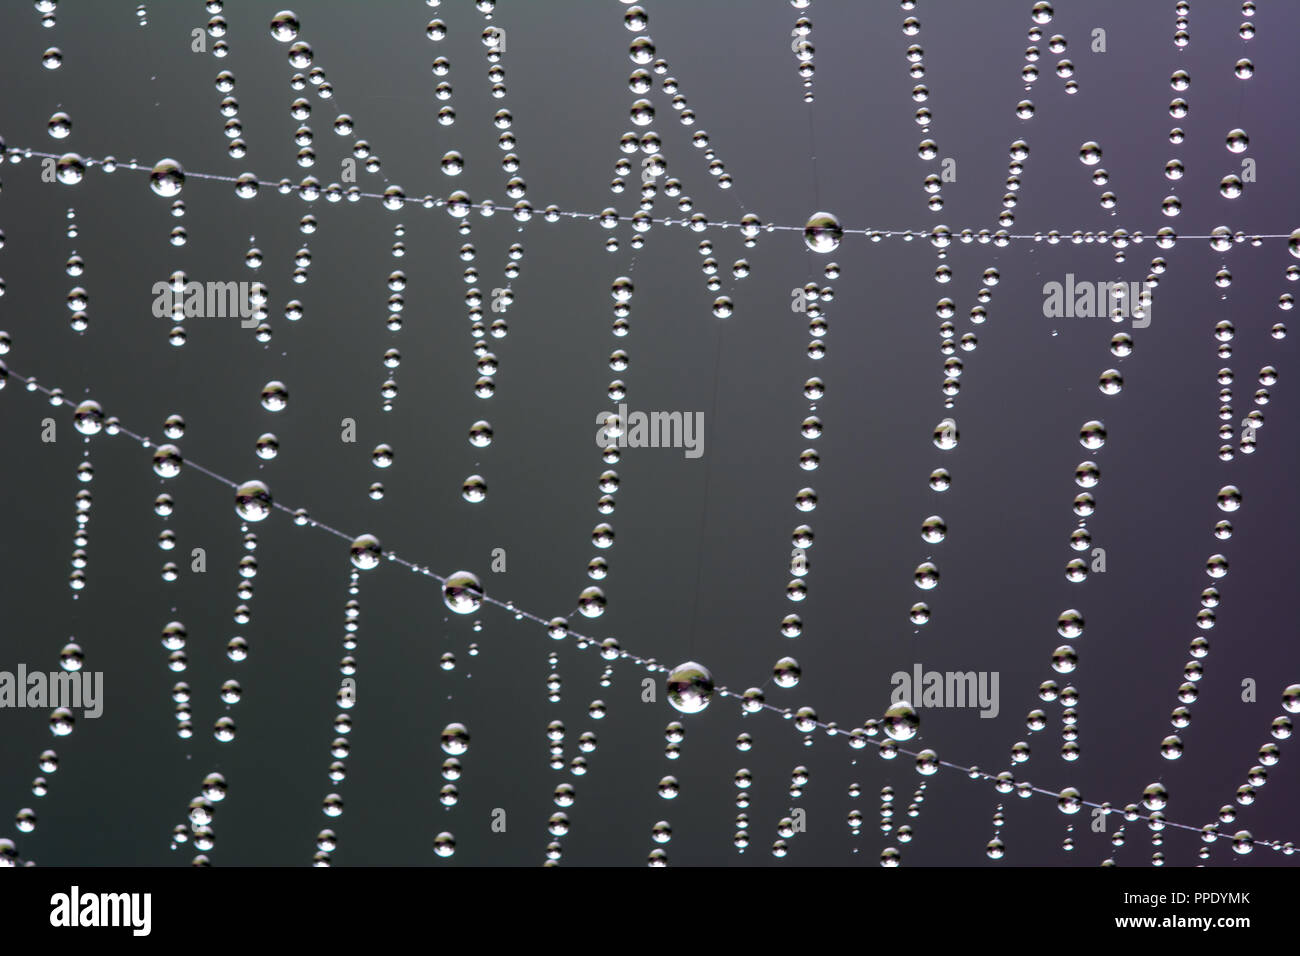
[455, 739]
[690, 687]
[901, 721]
[284, 26]
[463, 592]
[822, 232]
[253, 501]
[167, 178]
[366, 552]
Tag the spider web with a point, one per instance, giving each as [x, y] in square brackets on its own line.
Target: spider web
[700, 597]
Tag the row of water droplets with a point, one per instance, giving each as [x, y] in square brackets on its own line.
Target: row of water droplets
[1092, 436]
[821, 229]
[1229, 497]
[1155, 797]
[689, 684]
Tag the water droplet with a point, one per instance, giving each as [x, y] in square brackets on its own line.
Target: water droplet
[455, 739]
[366, 552]
[901, 721]
[463, 592]
[253, 501]
[167, 178]
[822, 233]
[284, 26]
[690, 687]
[167, 461]
[275, 397]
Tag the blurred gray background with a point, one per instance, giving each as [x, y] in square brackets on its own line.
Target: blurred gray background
[691, 577]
